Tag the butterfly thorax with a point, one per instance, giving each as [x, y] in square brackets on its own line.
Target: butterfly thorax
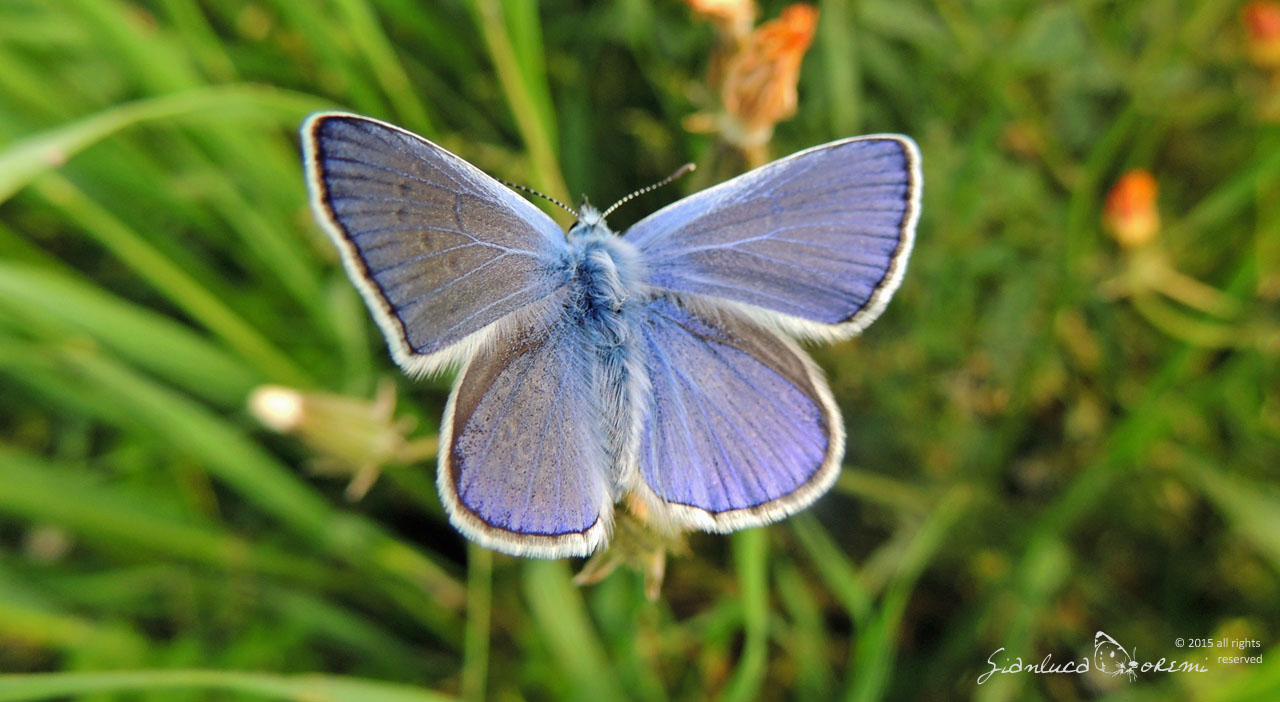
[605, 274]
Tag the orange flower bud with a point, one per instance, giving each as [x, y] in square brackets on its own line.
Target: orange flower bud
[1261, 21]
[1130, 215]
[759, 88]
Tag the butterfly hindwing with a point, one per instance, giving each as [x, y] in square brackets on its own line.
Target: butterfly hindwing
[521, 465]
[814, 243]
[741, 428]
[439, 250]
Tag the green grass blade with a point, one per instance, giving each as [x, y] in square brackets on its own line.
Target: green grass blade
[108, 643]
[225, 452]
[146, 338]
[289, 688]
[838, 50]
[18, 249]
[876, 646]
[475, 654]
[522, 89]
[167, 277]
[808, 641]
[1252, 508]
[34, 155]
[561, 617]
[38, 489]
[158, 65]
[750, 558]
[361, 21]
[328, 41]
[833, 566]
[197, 33]
[1230, 197]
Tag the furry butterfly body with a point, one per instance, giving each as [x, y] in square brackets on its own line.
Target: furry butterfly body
[659, 364]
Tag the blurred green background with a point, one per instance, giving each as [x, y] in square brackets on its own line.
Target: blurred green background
[1049, 434]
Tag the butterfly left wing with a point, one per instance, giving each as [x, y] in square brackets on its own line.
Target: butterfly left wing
[440, 251]
[814, 243]
[741, 429]
[521, 468]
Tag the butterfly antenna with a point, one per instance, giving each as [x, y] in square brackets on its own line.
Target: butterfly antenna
[679, 172]
[531, 191]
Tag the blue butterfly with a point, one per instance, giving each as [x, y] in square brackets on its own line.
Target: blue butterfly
[660, 364]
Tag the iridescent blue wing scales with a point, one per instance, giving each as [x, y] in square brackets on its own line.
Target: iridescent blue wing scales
[439, 250]
[814, 244]
[741, 429]
[521, 468]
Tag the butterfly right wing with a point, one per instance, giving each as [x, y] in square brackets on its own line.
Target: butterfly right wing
[741, 429]
[439, 250]
[521, 464]
[814, 243]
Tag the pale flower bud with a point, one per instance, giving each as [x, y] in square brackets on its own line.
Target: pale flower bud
[731, 17]
[350, 436]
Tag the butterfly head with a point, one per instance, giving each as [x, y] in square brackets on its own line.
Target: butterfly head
[590, 221]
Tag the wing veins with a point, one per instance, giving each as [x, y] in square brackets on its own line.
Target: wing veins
[420, 300]
[382, 134]
[678, 399]
[537, 465]
[426, 256]
[716, 284]
[456, 186]
[701, 399]
[464, 276]
[493, 435]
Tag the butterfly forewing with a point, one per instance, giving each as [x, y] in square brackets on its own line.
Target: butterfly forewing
[440, 250]
[741, 429]
[815, 243]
